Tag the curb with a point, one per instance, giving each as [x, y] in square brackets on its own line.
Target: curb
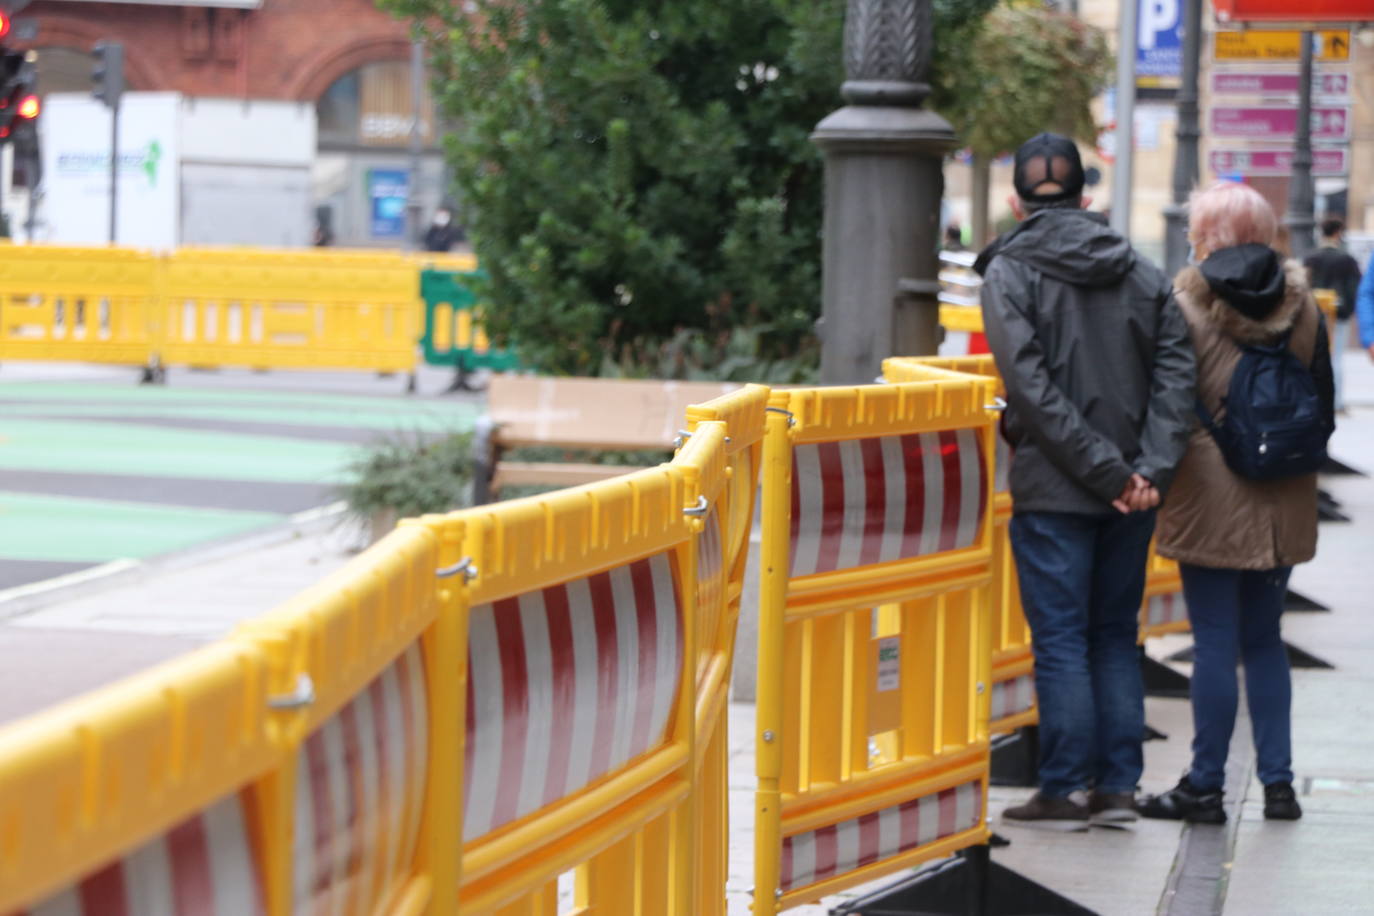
[25, 599]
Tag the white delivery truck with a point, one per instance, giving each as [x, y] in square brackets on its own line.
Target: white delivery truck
[192, 171]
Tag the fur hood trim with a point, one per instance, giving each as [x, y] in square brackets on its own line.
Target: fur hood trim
[1190, 284]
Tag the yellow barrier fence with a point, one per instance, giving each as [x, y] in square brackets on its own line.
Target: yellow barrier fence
[258, 309]
[88, 304]
[874, 633]
[583, 744]
[231, 307]
[1013, 702]
[280, 770]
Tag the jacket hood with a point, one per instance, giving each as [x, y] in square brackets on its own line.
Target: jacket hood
[1071, 245]
[1248, 277]
[1194, 285]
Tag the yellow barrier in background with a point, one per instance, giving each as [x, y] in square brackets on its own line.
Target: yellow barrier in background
[874, 635]
[286, 310]
[232, 307]
[88, 304]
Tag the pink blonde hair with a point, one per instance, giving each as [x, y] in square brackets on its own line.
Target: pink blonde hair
[1228, 214]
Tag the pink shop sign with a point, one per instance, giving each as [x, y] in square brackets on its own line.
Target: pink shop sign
[1279, 122]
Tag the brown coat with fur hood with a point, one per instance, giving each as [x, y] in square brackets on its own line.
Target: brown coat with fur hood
[1211, 516]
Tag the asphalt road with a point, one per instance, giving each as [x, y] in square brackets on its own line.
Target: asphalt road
[95, 467]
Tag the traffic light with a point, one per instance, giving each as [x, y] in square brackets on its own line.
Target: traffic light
[18, 103]
[4, 23]
[108, 76]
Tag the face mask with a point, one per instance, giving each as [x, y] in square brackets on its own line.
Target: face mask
[441, 218]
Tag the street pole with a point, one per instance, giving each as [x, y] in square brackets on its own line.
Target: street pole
[1186, 165]
[114, 169]
[884, 178]
[1122, 178]
[417, 84]
[1301, 194]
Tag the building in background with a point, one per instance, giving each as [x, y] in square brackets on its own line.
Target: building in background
[344, 62]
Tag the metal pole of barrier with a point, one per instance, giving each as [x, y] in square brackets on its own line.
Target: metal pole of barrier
[777, 469]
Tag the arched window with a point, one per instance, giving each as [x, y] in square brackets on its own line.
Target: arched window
[371, 107]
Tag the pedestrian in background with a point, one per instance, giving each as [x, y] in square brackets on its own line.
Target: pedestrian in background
[1236, 539]
[1364, 308]
[954, 238]
[1330, 267]
[1099, 375]
[442, 234]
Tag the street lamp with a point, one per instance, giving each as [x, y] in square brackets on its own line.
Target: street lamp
[884, 180]
[1186, 168]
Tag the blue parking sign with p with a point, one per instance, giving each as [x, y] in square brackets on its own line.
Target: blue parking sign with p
[1159, 44]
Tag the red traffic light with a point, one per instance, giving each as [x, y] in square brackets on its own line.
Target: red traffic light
[29, 107]
[4, 24]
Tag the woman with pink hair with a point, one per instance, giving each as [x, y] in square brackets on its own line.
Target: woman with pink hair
[1236, 538]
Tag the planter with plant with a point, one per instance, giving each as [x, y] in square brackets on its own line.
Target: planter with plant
[408, 475]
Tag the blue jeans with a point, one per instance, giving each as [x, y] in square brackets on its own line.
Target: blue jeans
[1235, 615]
[1082, 580]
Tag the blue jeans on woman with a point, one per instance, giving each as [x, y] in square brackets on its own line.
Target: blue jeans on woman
[1235, 616]
[1082, 578]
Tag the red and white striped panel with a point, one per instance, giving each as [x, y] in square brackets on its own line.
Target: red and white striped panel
[202, 867]
[1163, 609]
[1012, 696]
[964, 343]
[566, 685]
[711, 564]
[818, 855]
[360, 790]
[866, 501]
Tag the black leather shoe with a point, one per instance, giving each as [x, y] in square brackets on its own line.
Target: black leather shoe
[1184, 802]
[1281, 803]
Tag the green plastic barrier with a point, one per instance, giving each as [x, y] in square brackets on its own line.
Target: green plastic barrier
[453, 333]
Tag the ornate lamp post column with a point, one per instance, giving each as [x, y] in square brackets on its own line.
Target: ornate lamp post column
[883, 184]
[1186, 153]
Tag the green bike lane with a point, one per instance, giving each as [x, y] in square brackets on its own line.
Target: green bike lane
[98, 471]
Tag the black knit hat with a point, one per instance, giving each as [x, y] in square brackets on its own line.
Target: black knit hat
[1047, 158]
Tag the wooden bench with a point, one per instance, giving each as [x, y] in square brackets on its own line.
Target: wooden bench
[585, 414]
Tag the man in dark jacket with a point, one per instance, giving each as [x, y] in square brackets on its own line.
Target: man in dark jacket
[1100, 382]
[1330, 267]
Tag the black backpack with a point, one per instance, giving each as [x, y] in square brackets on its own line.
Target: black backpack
[1274, 426]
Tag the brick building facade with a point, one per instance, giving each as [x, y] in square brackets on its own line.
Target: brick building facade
[285, 49]
[345, 58]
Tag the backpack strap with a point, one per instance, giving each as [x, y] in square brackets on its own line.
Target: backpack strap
[1208, 422]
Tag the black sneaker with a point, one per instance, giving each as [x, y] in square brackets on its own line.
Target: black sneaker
[1185, 803]
[1066, 815]
[1112, 809]
[1281, 803]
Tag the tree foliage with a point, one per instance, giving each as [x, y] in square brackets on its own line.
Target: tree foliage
[1027, 69]
[637, 176]
[631, 169]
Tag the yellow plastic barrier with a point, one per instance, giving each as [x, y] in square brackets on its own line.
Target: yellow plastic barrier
[1013, 663]
[872, 743]
[1326, 301]
[275, 771]
[85, 304]
[720, 578]
[288, 310]
[583, 745]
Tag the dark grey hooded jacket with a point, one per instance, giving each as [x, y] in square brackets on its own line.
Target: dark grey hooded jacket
[1097, 362]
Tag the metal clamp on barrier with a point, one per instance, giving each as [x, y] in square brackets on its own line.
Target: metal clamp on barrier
[463, 567]
[301, 697]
